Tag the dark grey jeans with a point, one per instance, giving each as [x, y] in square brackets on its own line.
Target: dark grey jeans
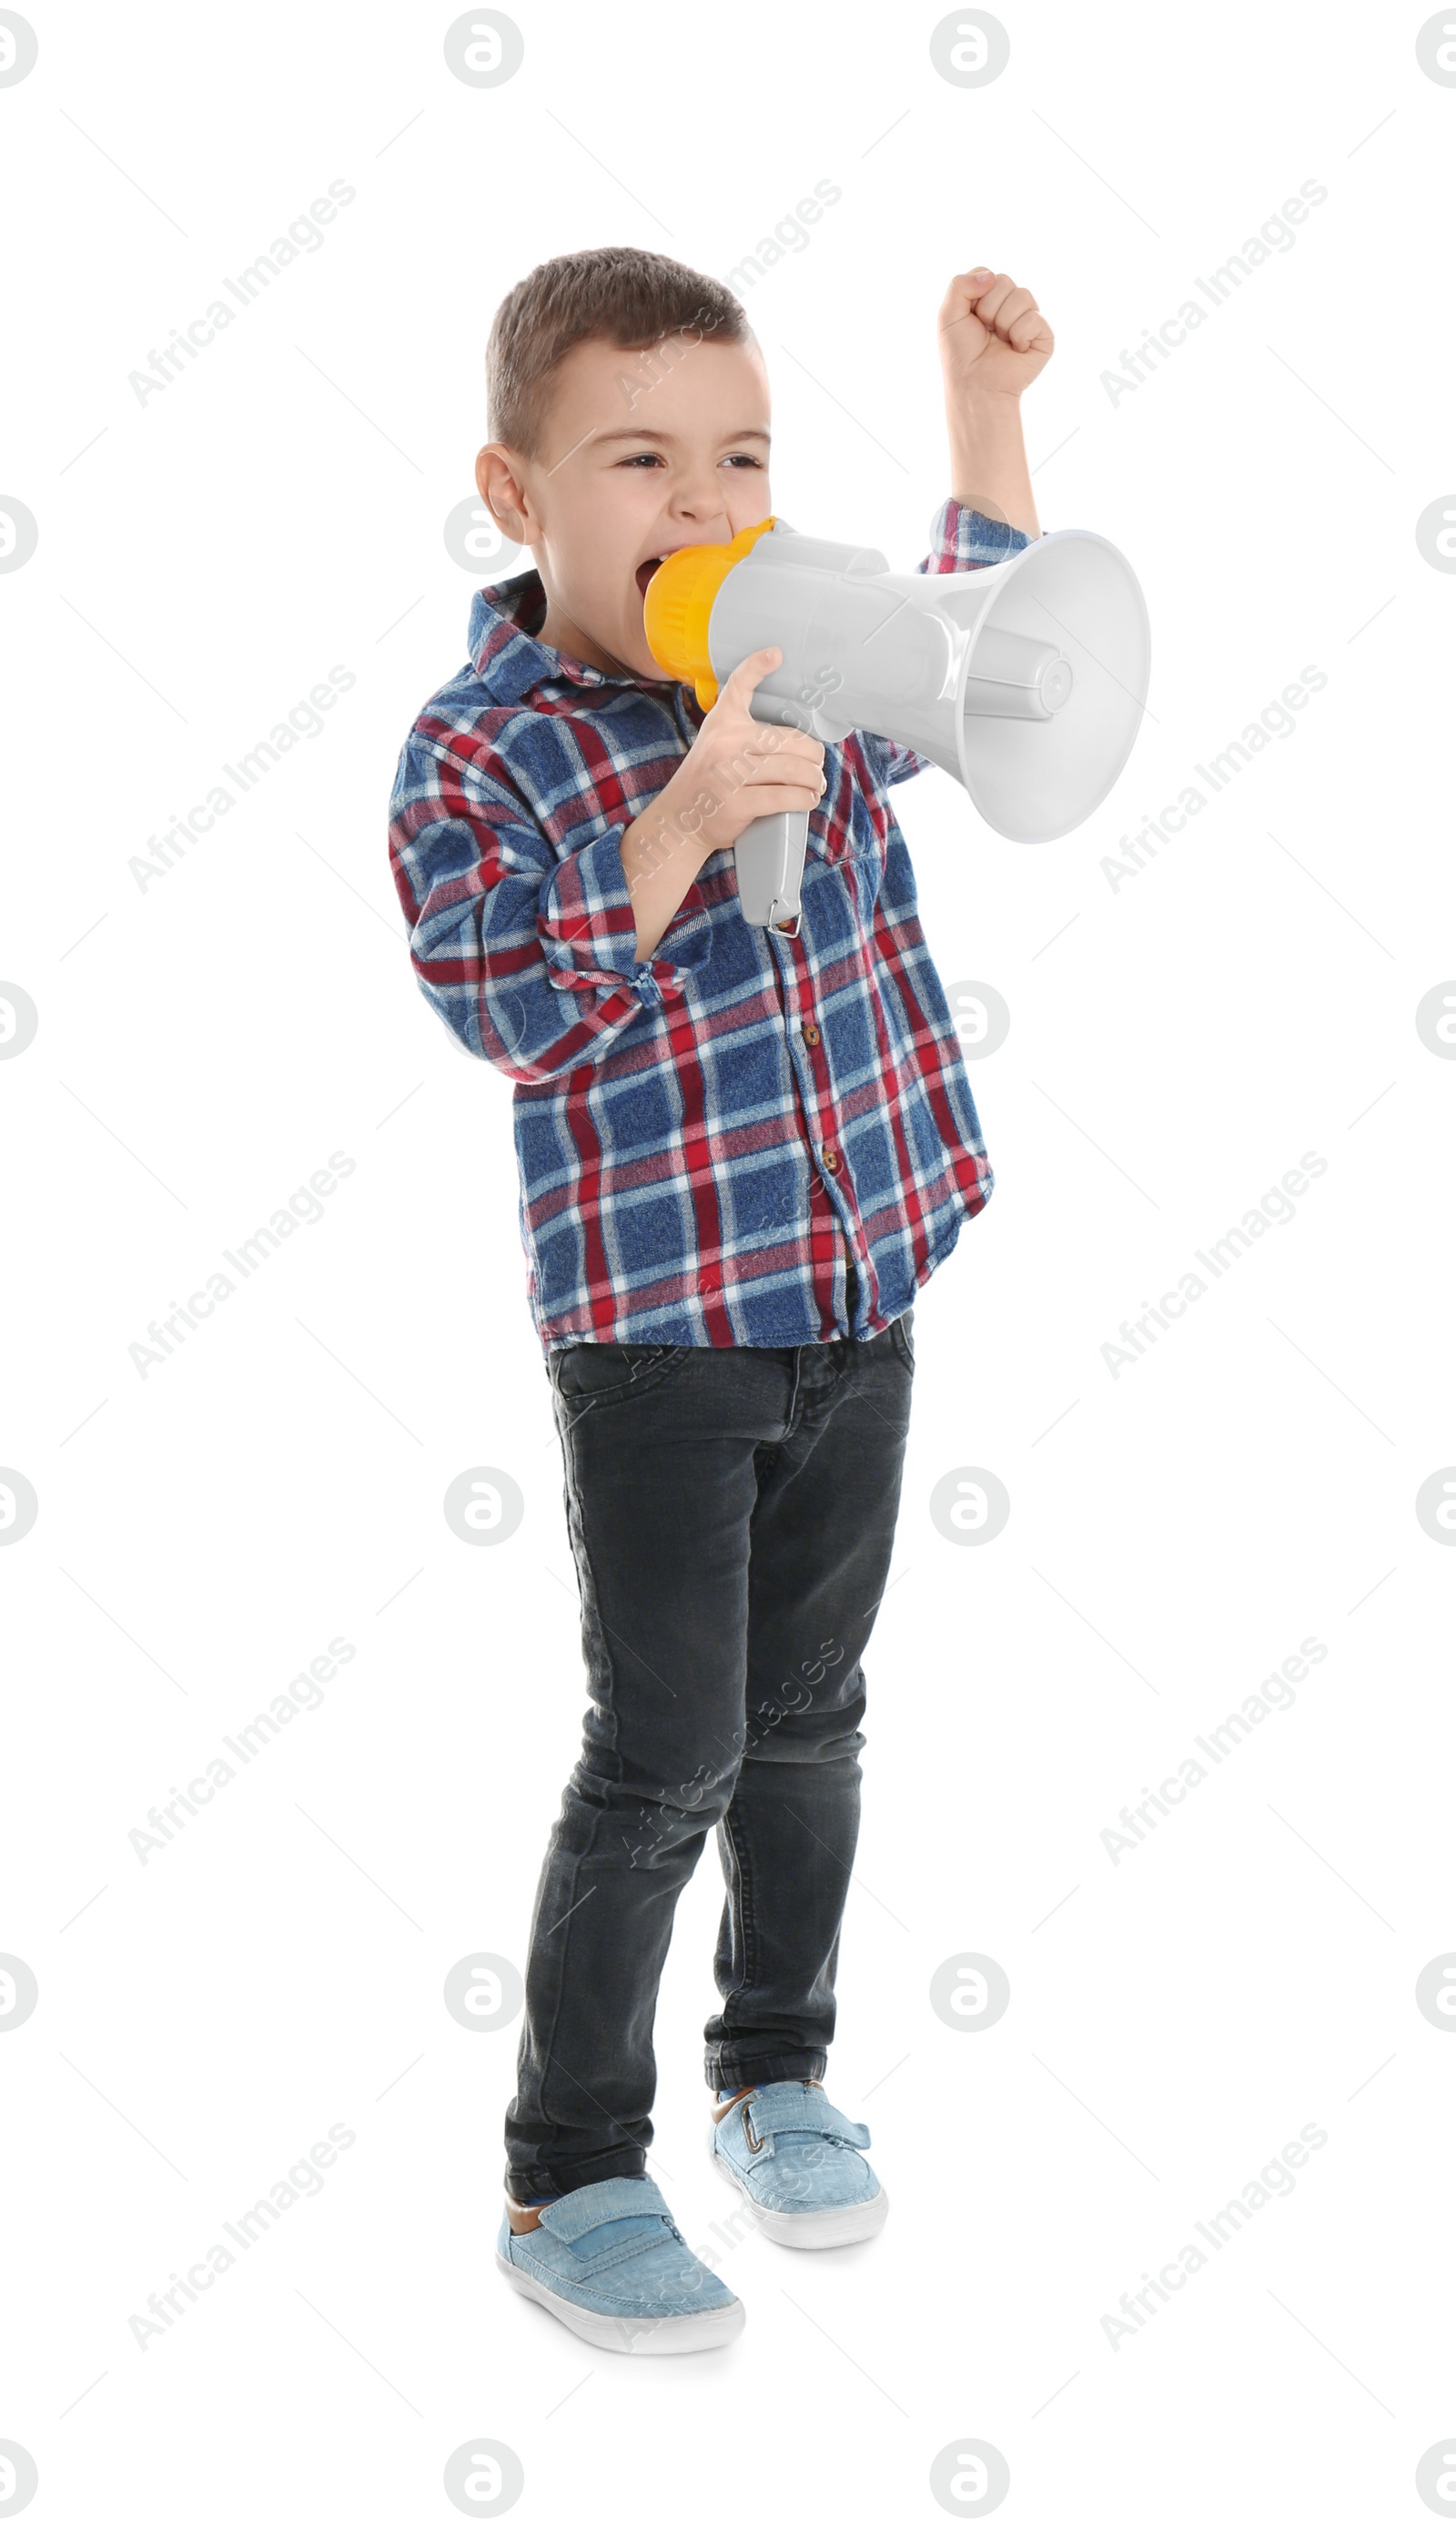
[731, 1513]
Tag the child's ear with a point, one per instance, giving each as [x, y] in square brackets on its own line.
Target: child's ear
[498, 480]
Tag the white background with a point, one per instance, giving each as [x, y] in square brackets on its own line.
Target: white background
[1177, 1042]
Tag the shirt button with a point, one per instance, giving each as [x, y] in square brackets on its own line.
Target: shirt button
[811, 1035]
[831, 1160]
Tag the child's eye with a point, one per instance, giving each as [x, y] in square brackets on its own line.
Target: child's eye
[653, 457]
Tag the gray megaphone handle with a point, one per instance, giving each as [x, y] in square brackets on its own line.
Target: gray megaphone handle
[770, 855]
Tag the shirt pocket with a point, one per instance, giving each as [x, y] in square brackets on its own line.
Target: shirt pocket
[842, 832]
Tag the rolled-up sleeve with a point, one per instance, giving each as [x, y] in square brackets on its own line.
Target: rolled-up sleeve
[525, 946]
[960, 539]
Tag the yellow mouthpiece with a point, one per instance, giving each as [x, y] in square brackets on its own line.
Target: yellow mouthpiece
[680, 602]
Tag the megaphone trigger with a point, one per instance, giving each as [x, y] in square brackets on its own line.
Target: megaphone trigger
[769, 858]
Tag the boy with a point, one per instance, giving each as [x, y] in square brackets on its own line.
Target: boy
[742, 1152]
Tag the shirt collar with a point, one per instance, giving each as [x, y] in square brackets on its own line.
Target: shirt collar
[509, 660]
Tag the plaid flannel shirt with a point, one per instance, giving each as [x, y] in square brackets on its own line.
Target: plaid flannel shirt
[709, 1137]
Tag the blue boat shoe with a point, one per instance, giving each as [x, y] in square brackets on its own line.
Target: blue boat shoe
[609, 2262]
[799, 2161]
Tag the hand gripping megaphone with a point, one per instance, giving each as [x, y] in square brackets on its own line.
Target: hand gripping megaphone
[1024, 680]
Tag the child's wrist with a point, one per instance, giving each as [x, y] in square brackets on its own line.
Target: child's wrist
[684, 817]
[970, 386]
[983, 413]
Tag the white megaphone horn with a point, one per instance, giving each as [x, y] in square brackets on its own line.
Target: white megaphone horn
[1025, 681]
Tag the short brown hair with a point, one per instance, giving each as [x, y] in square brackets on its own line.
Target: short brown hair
[625, 294]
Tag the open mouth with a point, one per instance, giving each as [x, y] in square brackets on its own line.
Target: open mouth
[645, 571]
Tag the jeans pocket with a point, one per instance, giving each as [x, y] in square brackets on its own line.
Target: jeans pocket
[599, 1373]
[903, 1337]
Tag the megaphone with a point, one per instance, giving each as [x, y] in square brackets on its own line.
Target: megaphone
[1024, 680]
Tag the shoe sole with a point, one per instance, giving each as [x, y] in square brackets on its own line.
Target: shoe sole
[697, 2331]
[835, 2225]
